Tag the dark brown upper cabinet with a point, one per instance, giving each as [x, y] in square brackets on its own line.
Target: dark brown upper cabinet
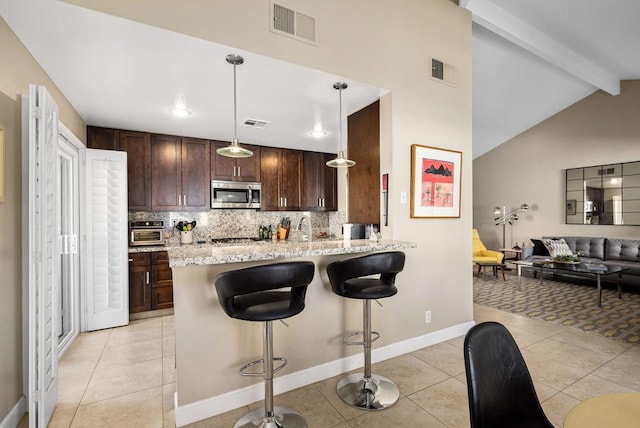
[138, 148]
[235, 169]
[281, 179]
[319, 182]
[103, 138]
[180, 173]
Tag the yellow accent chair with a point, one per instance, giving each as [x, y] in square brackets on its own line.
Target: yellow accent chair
[480, 252]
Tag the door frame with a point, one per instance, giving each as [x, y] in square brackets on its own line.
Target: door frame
[72, 146]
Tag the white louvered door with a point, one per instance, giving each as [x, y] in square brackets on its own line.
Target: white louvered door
[41, 251]
[106, 283]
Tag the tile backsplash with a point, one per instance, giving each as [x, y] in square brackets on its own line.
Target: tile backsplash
[241, 223]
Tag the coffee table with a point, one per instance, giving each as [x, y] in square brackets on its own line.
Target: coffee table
[495, 267]
[582, 269]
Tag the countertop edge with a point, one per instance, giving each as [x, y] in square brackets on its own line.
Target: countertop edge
[207, 254]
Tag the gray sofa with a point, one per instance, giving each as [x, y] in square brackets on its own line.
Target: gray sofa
[607, 251]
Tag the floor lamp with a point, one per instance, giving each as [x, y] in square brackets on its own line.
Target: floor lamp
[504, 217]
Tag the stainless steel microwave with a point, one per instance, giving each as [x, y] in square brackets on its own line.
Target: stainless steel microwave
[235, 194]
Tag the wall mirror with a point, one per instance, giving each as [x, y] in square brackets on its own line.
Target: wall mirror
[603, 194]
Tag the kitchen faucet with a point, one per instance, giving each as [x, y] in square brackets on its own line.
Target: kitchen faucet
[300, 226]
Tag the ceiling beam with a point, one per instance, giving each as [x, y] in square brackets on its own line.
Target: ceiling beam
[517, 31]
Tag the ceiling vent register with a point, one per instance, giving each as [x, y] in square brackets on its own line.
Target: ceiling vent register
[291, 23]
[255, 123]
[443, 72]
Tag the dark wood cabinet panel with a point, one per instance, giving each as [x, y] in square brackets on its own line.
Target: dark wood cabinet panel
[364, 178]
[269, 162]
[162, 298]
[166, 173]
[139, 282]
[291, 176]
[103, 138]
[281, 179]
[196, 186]
[138, 148]
[180, 173]
[232, 169]
[150, 281]
[161, 280]
[319, 182]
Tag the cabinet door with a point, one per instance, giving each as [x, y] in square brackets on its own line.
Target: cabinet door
[196, 170]
[230, 169]
[161, 275]
[139, 283]
[329, 183]
[166, 182]
[162, 298]
[248, 169]
[311, 179]
[222, 167]
[269, 171]
[103, 138]
[290, 170]
[138, 148]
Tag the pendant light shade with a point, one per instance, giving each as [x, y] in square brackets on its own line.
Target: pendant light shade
[340, 161]
[234, 150]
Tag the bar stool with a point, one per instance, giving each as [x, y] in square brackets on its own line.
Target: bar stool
[254, 294]
[368, 391]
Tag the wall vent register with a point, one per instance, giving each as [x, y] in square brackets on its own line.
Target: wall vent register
[294, 24]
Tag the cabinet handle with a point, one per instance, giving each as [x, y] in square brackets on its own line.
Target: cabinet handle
[130, 260]
[179, 200]
[285, 201]
[324, 202]
[239, 174]
[234, 171]
[185, 200]
[148, 281]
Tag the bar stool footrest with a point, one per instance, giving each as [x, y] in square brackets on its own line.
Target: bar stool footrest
[374, 336]
[244, 372]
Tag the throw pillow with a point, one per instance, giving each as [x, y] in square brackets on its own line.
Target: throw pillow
[557, 247]
[538, 248]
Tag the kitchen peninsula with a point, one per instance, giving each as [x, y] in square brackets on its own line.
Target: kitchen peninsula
[211, 347]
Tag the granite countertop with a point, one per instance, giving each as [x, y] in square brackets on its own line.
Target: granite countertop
[210, 254]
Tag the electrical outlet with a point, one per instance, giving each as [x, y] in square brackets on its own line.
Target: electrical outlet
[427, 317]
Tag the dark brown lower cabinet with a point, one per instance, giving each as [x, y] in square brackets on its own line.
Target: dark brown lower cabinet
[161, 281]
[139, 282]
[150, 282]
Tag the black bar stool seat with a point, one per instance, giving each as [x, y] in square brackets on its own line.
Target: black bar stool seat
[266, 293]
[349, 278]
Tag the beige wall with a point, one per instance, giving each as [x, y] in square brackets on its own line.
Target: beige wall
[17, 70]
[530, 168]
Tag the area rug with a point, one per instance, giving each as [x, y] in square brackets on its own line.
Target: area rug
[565, 303]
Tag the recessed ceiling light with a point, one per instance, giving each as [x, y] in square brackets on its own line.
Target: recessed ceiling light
[180, 112]
[318, 133]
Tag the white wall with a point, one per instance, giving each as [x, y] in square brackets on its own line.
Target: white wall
[530, 168]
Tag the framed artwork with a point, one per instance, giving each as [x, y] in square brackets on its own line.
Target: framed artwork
[1, 165]
[571, 207]
[435, 182]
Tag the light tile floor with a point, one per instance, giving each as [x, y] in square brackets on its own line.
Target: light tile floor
[125, 377]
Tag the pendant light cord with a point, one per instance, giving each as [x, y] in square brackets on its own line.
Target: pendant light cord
[235, 106]
[340, 117]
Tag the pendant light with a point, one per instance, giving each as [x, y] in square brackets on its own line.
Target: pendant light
[340, 161]
[234, 150]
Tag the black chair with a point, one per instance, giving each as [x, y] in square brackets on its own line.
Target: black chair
[255, 294]
[501, 392]
[367, 391]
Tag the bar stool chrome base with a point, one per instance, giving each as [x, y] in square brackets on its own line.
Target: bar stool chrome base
[374, 393]
[283, 417]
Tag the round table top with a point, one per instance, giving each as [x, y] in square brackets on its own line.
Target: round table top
[612, 410]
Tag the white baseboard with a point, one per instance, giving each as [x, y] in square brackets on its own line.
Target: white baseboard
[14, 417]
[212, 406]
